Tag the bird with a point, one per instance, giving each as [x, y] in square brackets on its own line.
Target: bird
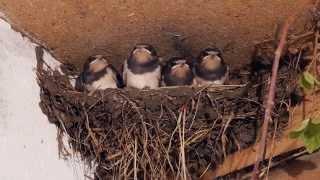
[210, 68]
[142, 68]
[177, 72]
[98, 74]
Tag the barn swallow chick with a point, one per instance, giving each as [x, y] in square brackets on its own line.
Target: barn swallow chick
[210, 68]
[98, 74]
[142, 68]
[177, 72]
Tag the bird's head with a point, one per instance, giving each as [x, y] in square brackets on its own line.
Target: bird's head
[210, 59]
[143, 54]
[94, 67]
[180, 67]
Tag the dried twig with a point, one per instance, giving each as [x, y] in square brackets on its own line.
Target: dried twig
[270, 97]
[223, 134]
[182, 144]
[272, 148]
[135, 159]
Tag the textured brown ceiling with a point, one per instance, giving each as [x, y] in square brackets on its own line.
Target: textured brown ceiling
[75, 29]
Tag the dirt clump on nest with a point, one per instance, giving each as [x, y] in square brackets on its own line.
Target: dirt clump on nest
[172, 131]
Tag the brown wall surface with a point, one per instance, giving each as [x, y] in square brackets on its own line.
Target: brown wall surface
[75, 29]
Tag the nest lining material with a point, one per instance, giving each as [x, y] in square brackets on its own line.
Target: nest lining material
[169, 132]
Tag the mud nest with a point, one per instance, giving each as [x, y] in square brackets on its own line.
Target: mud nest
[169, 132]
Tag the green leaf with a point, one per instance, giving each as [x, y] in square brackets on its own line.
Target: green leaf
[308, 81]
[305, 84]
[311, 137]
[309, 78]
[298, 132]
[309, 133]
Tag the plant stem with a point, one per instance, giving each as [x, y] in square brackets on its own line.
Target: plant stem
[270, 97]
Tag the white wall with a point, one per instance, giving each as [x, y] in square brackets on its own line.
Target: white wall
[28, 146]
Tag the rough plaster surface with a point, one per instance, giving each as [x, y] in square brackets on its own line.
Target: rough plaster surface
[28, 146]
[75, 29]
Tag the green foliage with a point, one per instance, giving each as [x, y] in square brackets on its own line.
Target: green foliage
[309, 133]
[308, 81]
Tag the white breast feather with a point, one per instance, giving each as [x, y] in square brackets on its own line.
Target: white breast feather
[140, 81]
[109, 80]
